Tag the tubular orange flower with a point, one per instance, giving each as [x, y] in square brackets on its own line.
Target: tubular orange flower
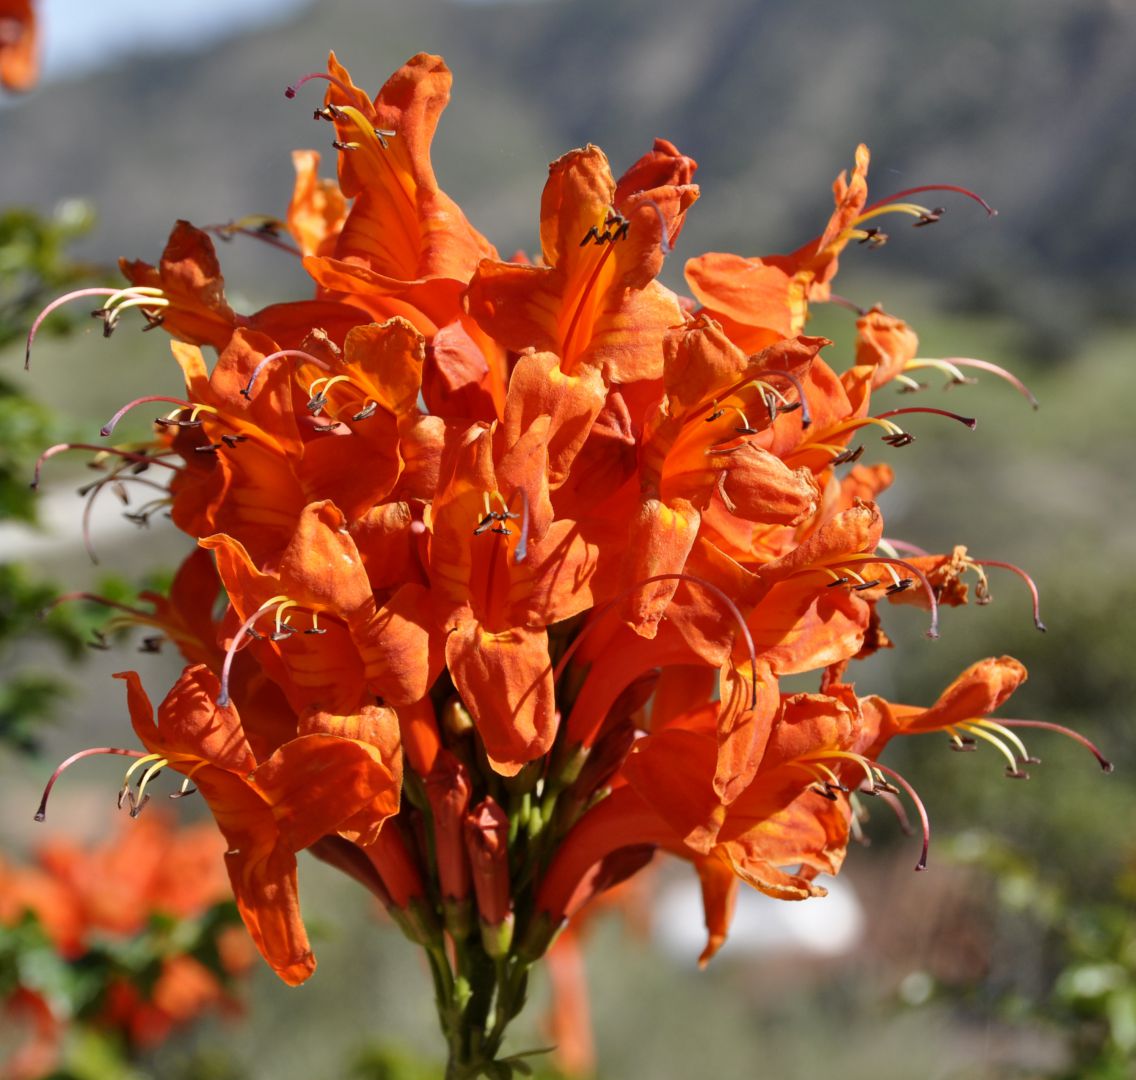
[594, 302]
[267, 810]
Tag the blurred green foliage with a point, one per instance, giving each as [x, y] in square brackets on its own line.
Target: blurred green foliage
[1088, 987]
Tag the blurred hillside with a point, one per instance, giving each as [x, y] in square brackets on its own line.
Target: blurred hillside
[1025, 101]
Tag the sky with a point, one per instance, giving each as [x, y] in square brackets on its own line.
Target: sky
[79, 36]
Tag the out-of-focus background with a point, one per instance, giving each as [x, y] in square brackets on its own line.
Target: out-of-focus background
[1016, 955]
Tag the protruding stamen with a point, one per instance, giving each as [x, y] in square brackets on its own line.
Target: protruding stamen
[842, 561]
[1030, 584]
[920, 808]
[271, 358]
[1076, 736]
[844, 302]
[234, 645]
[1002, 748]
[290, 91]
[136, 292]
[112, 423]
[140, 797]
[41, 813]
[968, 421]
[806, 416]
[260, 227]
[907, 192]
[951, 364]
[127, 455]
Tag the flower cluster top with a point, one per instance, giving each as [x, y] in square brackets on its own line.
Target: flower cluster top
[500, 563]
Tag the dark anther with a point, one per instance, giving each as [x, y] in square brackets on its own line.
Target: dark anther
[866, 585]
[344, 145]
[838, 582]
[914, 388]
[1031, 760]
[140, 518]
[324, 428]
[367, 411]
[930, 217]
[183, 794]
[791, 406]
[140, 467]
[269, 227]
[900, 585]
[770, 405]
[873, 237]
[490, 523]
[119, 488]
[316, 403]
[746, 430]
[315, 630]
[826, 792]
[382, 134]
[900, 438]
[883, 785]
[137, 807]
[231, 440]
[848, 456]
[1016, 774]
[964, 744]
[501, 530]
[717, 414]
[151, 645]
[153, 320]
[285, 631]
[256, 635]
[98, 641]
[189, 423]
[164, 421]
[616, 227]
[208, 448]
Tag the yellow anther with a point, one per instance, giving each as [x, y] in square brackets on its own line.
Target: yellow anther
[845, 755]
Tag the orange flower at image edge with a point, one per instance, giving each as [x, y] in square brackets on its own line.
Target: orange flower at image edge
[19, 47]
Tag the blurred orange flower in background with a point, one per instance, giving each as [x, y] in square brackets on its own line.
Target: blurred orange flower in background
[19, 45]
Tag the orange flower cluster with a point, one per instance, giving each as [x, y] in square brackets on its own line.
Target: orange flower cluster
[500, 563]
[83, 898]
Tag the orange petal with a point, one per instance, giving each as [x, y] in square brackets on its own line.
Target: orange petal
[505, 680]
